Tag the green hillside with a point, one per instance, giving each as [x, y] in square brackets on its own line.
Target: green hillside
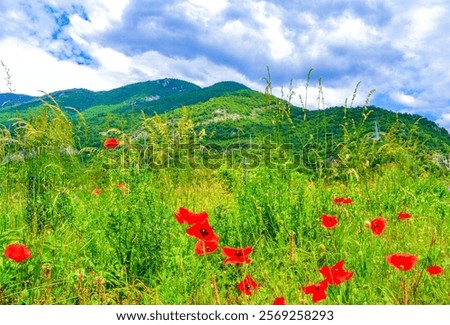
[82, 99]
[246, 115]
[229, 113]
[9, 99]
[150, 97]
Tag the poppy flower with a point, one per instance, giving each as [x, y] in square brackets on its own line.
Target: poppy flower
[202, 231]
[247, 286]
[111, 143]
[237, 255]
[123, 188]
[342, 200]
[17, 252]
[329, 221]
[335, 274]
[183, 215]
[317, 290]
[377, 226]
[203, 247]
[402, 261]
[279, 301]
[404, 215]
[435, 270]
[96, 191]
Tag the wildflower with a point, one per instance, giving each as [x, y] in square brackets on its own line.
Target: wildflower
[329, 221]
[317, 290]
[377, 226]
[17, 252]
[342, 200]
[402, 261]
[237, 255]
[111, 143]
[183, 215]
[335, 274]
[404, 215]
[279, 301]
[96, 191]
[435, 270]
[247, 285]
[123, 188]
[203, 247]
[202, 231]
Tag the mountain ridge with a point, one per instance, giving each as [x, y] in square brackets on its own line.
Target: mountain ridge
[222, 109]
[13, 99]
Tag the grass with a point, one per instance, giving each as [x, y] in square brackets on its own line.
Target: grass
[124, 245]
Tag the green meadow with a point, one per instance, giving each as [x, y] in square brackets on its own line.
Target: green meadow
[100, 225]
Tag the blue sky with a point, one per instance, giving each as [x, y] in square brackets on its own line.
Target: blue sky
[398, 47]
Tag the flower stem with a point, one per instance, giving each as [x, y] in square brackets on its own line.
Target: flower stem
[292, 246]
[216, 291]
[405, 292]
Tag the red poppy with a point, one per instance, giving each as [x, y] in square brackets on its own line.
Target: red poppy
[377, 226]
[329, 221]
[202, 231]
[247, 286]
[17, 252]
[279, 301]
[96, 191]
[111, 143]
[335, 274]
[317, 290]
[402, 261]
[203, 247]
[124, 188]
[342, 200]
[404, 215]
[183, 215]
[237, 255]
[435, 270]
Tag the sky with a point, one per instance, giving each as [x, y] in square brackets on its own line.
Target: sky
[399, 48]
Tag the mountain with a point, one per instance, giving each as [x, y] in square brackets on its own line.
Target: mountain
[246, 115]
[176, 100]
[82, 99]
[151, 97]
[13, 99]
[229, 113]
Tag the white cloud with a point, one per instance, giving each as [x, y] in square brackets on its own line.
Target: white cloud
[273, 30]
[103, 14]
[33, 69]
[407, 100]
[199, 70]
[349, 30]
[110, 59]
[415, 24]
[444, 120]
[35, 57]
[203, 10]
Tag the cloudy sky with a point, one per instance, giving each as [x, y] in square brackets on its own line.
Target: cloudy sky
[401, 48]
